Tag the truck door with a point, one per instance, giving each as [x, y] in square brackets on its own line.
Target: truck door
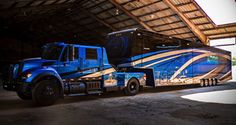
[68, 63]
[91, 58]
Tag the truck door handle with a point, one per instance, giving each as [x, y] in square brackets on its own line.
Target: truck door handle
[65, 64]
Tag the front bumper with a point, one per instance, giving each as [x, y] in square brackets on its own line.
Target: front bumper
[10, 85]
[15, 85]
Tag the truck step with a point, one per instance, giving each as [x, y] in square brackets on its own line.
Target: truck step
[78, 94]
[94, 92]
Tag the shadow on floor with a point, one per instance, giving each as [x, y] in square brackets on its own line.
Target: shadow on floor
[15, 103]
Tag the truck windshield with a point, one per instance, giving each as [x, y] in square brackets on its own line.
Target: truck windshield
[51, 52]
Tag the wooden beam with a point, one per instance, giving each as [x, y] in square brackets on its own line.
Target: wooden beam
[222, 37]
[177, 34]
[184, 4]
[130, 25]
[225, 33]
[153, 12]
[156, 26]
[192, 26]
[115, 3]
[98, 19]
[160, 18]
[218, 28]
[131, 10]
[204, 23]
[169, 29]
[201, 11]
[190, 11]
[196, 17]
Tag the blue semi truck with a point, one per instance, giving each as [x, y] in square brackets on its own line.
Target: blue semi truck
[131, 59]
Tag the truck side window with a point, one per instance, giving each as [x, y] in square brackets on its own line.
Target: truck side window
[91, 54]
[73, 53]
[64, 55]
[76, 53]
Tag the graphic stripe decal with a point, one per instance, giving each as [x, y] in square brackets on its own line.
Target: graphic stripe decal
[228, 73]
[161, 61]
[100, 73]
[161, 55]
[195, 59]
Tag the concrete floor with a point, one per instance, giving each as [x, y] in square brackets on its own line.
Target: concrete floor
[163, 106]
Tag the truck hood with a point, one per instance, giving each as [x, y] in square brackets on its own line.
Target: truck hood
[30, 63]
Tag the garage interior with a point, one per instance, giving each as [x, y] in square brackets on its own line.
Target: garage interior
[27, 25]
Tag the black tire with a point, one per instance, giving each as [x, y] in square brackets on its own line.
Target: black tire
[202, 83]
[215, 82]
[206, 82]
[46, 92]
[23, 95]
[132, 87]
[210, 82]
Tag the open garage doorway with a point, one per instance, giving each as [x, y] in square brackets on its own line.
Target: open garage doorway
[228, 44]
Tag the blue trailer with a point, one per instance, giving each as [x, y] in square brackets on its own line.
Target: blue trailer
[131, 59]
[166, 60]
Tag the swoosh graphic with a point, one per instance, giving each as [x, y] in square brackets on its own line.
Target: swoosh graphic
[161, 55]
[100, 73]
[195, 59]
[161, 61]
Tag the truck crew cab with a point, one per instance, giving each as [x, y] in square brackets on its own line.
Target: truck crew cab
[68, 69]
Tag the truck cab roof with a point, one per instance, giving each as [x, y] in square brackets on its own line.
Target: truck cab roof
[75, 45]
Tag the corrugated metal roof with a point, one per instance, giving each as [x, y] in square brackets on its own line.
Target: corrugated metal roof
[85, 18]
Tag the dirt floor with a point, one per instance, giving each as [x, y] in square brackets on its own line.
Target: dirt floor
[163, 106]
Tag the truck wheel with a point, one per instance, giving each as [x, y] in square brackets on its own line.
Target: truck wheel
[45, 93]
[23, 95]
[132, 87]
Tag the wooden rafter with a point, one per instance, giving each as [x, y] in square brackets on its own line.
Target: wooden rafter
[115, 3]
[98, 19]
[169, 29]
[220, 33]
[222, 37]
[192, 26]
[160, 18]
[157, 11]
[174, 22]
[203, 23]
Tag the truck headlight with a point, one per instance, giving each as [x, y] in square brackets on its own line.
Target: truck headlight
[26, 76]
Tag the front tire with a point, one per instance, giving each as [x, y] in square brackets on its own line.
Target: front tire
[132, 87]
[23, 95]
[46, 93]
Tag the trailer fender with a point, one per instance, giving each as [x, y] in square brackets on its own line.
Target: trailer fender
[141, 77]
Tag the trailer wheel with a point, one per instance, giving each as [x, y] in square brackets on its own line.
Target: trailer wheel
[132, 87]
[210, 82]
[206, 82]
[23, 95]
[202, 82]
[215, 82]
[46, 93]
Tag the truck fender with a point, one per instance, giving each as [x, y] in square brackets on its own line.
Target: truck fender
[49, 74]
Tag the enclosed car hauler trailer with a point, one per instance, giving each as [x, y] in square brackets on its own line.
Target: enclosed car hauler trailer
[166, 60]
